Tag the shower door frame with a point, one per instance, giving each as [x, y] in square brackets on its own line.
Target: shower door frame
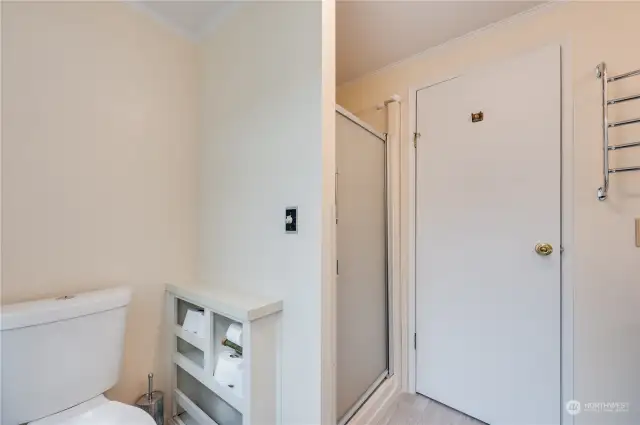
[389, 371]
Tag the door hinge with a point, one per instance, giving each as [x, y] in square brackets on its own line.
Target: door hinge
[337, 267]
[415, 139]
[415, 341]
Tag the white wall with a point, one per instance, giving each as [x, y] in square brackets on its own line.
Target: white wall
[605, 264]
[262, 152]
[329, 245]
[99, 161]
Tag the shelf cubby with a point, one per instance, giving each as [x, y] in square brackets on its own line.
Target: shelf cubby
[197, 398]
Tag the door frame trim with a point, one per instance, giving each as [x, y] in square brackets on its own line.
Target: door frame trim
[566, 214]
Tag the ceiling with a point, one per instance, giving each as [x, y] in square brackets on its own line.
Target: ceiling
[373, 34]
[192, 19]
[369, 34]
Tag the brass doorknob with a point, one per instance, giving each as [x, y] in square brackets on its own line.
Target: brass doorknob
[544, 249]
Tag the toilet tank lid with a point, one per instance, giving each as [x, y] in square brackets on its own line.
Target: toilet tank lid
[32, 313]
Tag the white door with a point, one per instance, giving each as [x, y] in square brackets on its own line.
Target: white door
[487, 192]
[362, 343]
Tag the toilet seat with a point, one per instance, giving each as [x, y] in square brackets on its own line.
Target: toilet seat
[98, 411]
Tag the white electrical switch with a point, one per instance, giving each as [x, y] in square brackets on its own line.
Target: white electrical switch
[291, 220]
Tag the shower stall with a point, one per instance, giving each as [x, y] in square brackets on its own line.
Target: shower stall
[362, 282]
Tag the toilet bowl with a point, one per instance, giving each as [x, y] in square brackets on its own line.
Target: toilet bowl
[98, 411]
[60, 355]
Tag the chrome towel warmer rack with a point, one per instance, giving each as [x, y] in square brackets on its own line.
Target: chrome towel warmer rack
[601, 74]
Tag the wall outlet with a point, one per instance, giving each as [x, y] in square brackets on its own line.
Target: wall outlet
[291, 220]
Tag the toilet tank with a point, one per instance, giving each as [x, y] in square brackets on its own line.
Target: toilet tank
[57, 353]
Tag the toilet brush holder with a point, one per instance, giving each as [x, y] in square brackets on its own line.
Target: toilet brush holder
[152, 402]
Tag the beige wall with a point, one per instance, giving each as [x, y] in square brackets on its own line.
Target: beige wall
[100, 138]
[603, 261]
[263, 151]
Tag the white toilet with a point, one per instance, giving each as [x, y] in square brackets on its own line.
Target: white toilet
[60, 355]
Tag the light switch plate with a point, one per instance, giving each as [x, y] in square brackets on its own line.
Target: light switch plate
[638, 232]
[291, 220]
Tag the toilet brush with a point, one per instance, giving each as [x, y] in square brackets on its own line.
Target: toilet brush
[153, 403]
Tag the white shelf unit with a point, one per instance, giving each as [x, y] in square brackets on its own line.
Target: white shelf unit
[197, 398]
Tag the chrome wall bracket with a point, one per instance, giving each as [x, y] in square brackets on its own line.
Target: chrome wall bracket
[601, 74]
